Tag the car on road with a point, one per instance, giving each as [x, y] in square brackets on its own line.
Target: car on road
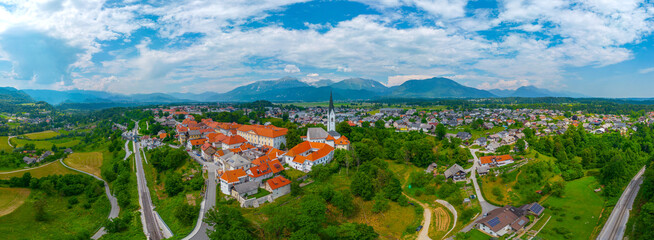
[419, 228]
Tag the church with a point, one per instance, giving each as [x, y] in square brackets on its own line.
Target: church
[318, 146]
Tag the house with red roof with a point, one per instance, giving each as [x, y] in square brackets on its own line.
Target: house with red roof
[233, 142]
[495, 161]
[231, 178]
[278, 186]
[263, 135]
[307, 154]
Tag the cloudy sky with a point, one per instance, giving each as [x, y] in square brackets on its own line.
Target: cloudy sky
[595, 47]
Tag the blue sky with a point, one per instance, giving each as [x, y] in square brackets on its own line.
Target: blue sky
[601, 48]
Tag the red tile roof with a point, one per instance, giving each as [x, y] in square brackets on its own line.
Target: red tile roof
[163, 135]
[233, 175]
[277, 182]
[489, 159]
[265, 131]
[342, 141]
[198, 142]
[322, 149]
[234, 140]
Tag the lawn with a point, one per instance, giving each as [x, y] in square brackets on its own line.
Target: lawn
[475, 234]
[11, 199]
[42, 171]
[4, 145]
[576, 215]
[294, 173]
[87, 162]
[61, 222]
[41, 135]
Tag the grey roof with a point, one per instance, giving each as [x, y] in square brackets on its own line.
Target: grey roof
[237, 161]
[334, 134]
[316, 133]
[482, 169]
[194, 132]
[29, 160]
[246, 187]
[453, 170]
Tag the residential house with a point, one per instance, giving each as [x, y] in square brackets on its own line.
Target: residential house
[278, 186]
[503, 220]
[231, 178]
[233, 142]
[496, 161]
[456, 173]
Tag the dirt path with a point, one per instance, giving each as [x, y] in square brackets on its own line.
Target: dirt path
[424, 232]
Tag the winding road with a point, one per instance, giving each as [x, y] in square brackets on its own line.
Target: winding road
[115, 209]
[27, 169]
[9, 142]
[616, 224]
[485, 206]
[209, 201]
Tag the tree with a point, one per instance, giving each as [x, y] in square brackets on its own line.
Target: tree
[440, 131]
[344, 128]
[380, 205]
[343, 201]
[558, 188]
[351, 231]
[227, 224]
[314, 213]
[39, 209]
[362, 186]
[379, 124]
[296, 190]
[520, 146]
[186, 213]
[393, 189]
[174, 184]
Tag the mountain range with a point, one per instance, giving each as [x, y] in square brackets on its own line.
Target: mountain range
[289, 89]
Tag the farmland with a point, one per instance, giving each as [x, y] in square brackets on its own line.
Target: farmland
[41, 135]
[87, 162]
[42, 171]
[11, 199]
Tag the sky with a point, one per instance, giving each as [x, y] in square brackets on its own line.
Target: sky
[602, 48]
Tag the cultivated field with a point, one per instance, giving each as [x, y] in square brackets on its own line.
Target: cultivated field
[576, 214]
[41, 135]
[440, 222]
[41, 171]
[87, 162]
[11, 199]
[4, 145]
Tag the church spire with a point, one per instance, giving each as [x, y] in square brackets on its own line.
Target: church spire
[331, 102]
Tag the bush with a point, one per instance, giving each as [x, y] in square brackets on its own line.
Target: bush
[380, 205]
[186, 213]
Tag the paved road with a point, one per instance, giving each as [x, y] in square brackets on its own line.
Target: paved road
[9, 142]
[127, 152]
[149, 219]
[200, 230]
[27, 169]
[115, 209]
[485, 206]
[616, 224]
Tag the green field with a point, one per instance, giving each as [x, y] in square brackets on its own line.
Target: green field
[87, 162]
[46, 144]
[576, 215]
[41, 171]
[41, 135]
[4, 145]
[61, 222]
[11, 199]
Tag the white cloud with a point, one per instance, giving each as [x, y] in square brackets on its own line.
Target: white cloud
[313, 75]
[291, 69]
[646, 70]
[504, 84]
[399, 79]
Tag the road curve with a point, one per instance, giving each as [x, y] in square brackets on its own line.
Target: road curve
[424, 232]
[616, 224]
[208, 203]
[9, 142]
[27, 169]
[115, 209]
[485, 206]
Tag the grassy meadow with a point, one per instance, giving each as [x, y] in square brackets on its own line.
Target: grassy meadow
[88, 162]
[51, 168]
[11, 199]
